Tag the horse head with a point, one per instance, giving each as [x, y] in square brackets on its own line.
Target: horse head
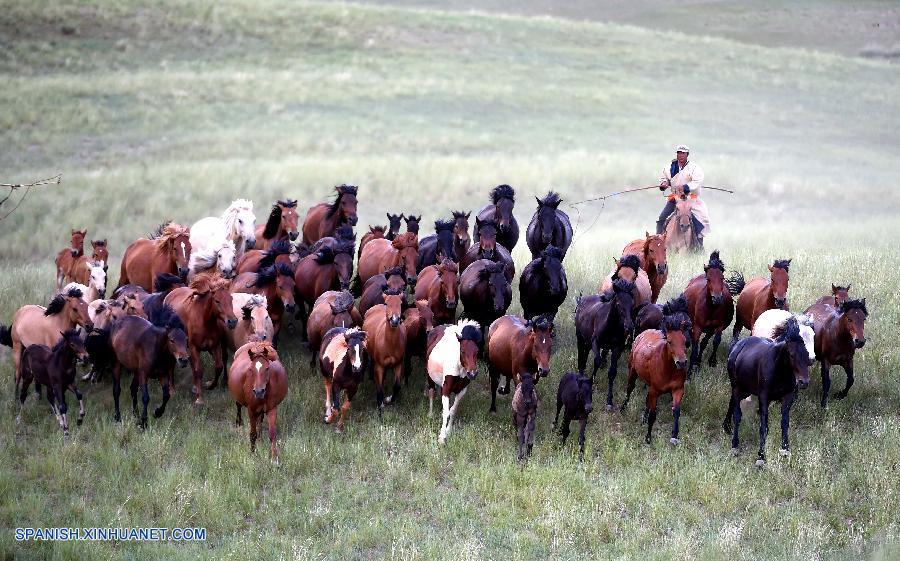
[77, 242]
[448, 273]
[551, 261]
[177, 242]
[408, 246]
[97, 278]
[715, 279]
[240, 222]
[262, 354]
[393, 302]
[546, 215]
[469, 338]
[683, 209]
[526, 387]
[287, 211]
[675, 331]
[795, 348]
[100, 252]
[504, 198]
[394, 223]
[540, 339]
[72, 304]
[412, 223]
[853, 318]
[655, 252]
[461, 227]
[841, 294]
[346, 202]
[72, 339]
[586, 392]
[495, 278]
[487, 234]
[444, 230]
[284, 286]
[395, 278]
[216, 288]
[623, 298]
[426, 314]
[176, 334]
[779, 282]
[355, 339]
[343, 262]
[255, 311]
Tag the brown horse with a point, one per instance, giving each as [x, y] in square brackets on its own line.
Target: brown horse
[381, 255]
[386, 336]
[317, 273]
[167, 251]
[254, 323]
[839, 333]
[651, 252]
[659, 357]
[66, 256]
[257, 380]
[516, 346]
[761, 294]
[628, 267]
[419, 321]
[100, 252]
[488, 248]
[332, 309]
[374, 233]
[206, 308]
[461, 239]
[710, 308]
[282, 223]
[280, 251]
[342, 361]
[439, 284]
[680, 228]
[839, 295]
[277, 284]
[324, 219]
[373, 291]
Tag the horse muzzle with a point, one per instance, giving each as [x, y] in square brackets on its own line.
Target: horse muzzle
[231, 323]
[249, 244]
[102, 294]
[291, 308]
[259, 393]
[803, 384]
[293, 235]
[353, 220]
[716, 299]
[859, 343]
[542, 373]
[411, 280]
[182, 272]
[182, 361]
[471, 374]
[394, 321]
[662, 268]
[74, 252]
[451, 304]
[780, 303]
[681, 364]
[345, 285]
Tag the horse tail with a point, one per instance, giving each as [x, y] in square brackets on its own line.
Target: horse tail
[6, 335]
[735, 283]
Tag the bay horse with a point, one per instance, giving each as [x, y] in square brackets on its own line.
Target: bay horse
[650, 316]
[628, 267]
[324, 218]
[412, 223]
[524, 406]
[100, 253]
[451, 364]
[651, 253]
[280, 251]
[575, 396]
[381, 254]
[515, 346]
[282, 223]
[168, 250]
[277, 284]
[461, 239]
[436, 247]
[549, 226]
[419, 321]
[772, 371]
[317, 273]
[254, 323]
[149, 350]
[500, 210]
[374, 233]
[679, 232]
[659, 357]
[342, 361]
[395, 222]
[373, 291]
[839, 333]
[55, 369]
[331, 309]
[603, 322]
[839, 295]
[710, 308]
[386, 344]
[484, 291]
[237, 225]
[543, 286]
[439, 285]
[488, 248]
[257, 380]
[206, 308]
[761, 294]
[66, 256]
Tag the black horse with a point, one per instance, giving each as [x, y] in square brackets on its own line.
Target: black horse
[436, 247]
[412, 223]
[543, 286]
[503, 198]
[650, 316]
[548, 226]
[484, 291]
[772, 371]
[395, 221]
[603, 322]
[488, 248]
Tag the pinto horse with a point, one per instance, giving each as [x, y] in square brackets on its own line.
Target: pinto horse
[659, 357]
[386, 344]
[761, 294]
[373, 291]
[324, 218]
[317, 273]
[207, 310]
[543, 286]
[342, 362]
[382, 254]
[332, 309]
[772, 371]
[839, 333]
[628, 267]
[167, 251]
[503, 198]
[438, 246]
[839, 295]
[710, 308]
[281, 251]
[549, 226]
[66, 256]
[679, 231]
[277, 284]
[484, 291]
[515, 346]
[439, 285]
[651, 252]
[257, 380]
[451, 364]
[282, 223]
[488, 248]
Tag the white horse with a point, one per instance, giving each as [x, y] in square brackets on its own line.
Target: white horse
[237, 224]
[770, 322]
[220, 254]
[452, 364]
[96, 287]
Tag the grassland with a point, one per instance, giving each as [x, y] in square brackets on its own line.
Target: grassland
[170, 109]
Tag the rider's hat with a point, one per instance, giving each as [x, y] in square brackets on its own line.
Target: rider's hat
[683, 148]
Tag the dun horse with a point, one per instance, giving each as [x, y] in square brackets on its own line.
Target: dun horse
[680, 235]
[549, 226]
[324, 219]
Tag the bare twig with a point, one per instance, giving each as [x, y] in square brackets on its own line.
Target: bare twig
[55, 180]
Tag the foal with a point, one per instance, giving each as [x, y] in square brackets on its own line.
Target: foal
[342, 362]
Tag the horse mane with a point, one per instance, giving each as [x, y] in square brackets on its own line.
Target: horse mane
[347, 246]
[343, 303]
[484, 223]
[342, 189]
[59, 301]
[493, 268]
[274, 220]
[255, 301]
[441, 225]
[167, 233]
[675, 305]
[268, 275]
[788, 330]
[675, 322]
[622, 285]
[264, 348]
[280, 247]
[551, 199]
[449, 265]
[158, 232]
[782, 264]
[167, 318]
[377, 229]
[395, 272]
[354, 333]
[460, 214]
[204, 258]
[206, 282]
[324, 256]
[503, 192]
[542, 322]
[345, 232]
[406, 239]
[66, 335]
[99, 243]
[393, 292]
[165, 282]
[631, 261]
[553, 252]
[856, 304]
[715, 262]
[466, 329]
[230, 215]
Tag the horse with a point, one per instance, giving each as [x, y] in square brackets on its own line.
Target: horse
[237, 225]
[395, 221]
[839, 295]
[373, 291]
[90, 274]
[419, 321]
[710, 308]
[439, 285]
[320, 272]
[100, 253]
[257, 380]
[650, 316]
[576, 394]
[412, 223]
[214, 255]
[679, 232]
[55, 369]
[67, 255]
[438, 246]
[342, 361]
[500, 210]
[277, 284]
[761, 294]
[149, 350]
[206, 308]
[543, 286]
[628, 267]
[254, 323]
[659, 357]
[281, 251]
[331, 309]
[168, 250]
[451, 364]
[515, 346]
[282, 223]
[153, 302]
[603, 322]
[772, 371]
[651, 253]
[343, 235]
[374, 233]
[549, 226]
[386, 336]
[839, 333]
[381, 254]
[103, 314]
[484, 291]
[771, 324]
[461, 239]
[324, 218]
[524, 406]
[488, 248]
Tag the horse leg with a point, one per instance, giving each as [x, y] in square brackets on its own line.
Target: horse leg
[843, 393]
[597, 359]
[565, 427]
[329, 401]
[166, 382]
[197, 369]
[695, 352]
[727, 424]
[117, 389]
[254, 419]
[379, 388]
[454, 408]
[505, 390]
[736, 332]
[677, 395]
[603, 354]
[786, 404]
[145, 399]
[529, 432]
[632, 380]
[717, 339]
[826, 382]
[272, 415]
[703, 342]
[345, 410]
[495, 381]
[445, 416]
[219, 368]
[398, 381]
[581, 430]
[60, 397]
[763, 429]
[81, 411]
[431, 388]
[23, 394]
[652, 397]
[237, 419]
[737, 414]
[520, 425]
[134, 392]
[611, 375]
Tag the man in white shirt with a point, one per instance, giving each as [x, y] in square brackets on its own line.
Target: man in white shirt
[683, 177]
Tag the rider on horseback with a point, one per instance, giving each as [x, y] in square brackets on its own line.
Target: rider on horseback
[685, 179]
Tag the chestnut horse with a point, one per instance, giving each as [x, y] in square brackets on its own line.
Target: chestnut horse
[324, 218]
[484, 291]
[331, 309]
[317, 273]
[282, 223]
[488, 248]
[438, 246]
[254, 323]
[206, 308]
[679, 232]
[659, 357]
[839, 295]
[549, 226]
[277, 284]
[439, 285]
[257, 380]
[342, 362]
[279, 251]
[167, 251]
[374, 233]
[761, 294]
[382, 254]
[651, 252]
[628, 267]
[66, 256]
[839, 333]
[372, 293]
[451, 364]
[710, 308]
[515, 346]
[543, 285]
[500, 210]
[386, 337]
[100, 253]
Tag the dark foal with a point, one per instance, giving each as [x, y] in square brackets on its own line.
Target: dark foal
[575, 396]
[524, 407]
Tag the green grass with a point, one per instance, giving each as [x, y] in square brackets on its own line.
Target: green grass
[171, 109]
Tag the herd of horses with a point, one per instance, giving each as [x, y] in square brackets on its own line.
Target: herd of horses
[230, 287]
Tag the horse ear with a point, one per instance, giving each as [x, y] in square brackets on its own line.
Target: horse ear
[848, 288]
[833, 288]
[538, 201]
[646, 234]
[467, 214]
[771, 269]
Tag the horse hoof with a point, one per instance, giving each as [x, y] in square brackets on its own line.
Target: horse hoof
[839, 395]
[388, 399]
[647, 439]
[674, 441]
[157, 413]
[502, 391]
[78, 422]
[198, 401]
[726, 429]
[785, 453]
[760, 462]
[66, 434]
[735, 452]
[609, 406]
